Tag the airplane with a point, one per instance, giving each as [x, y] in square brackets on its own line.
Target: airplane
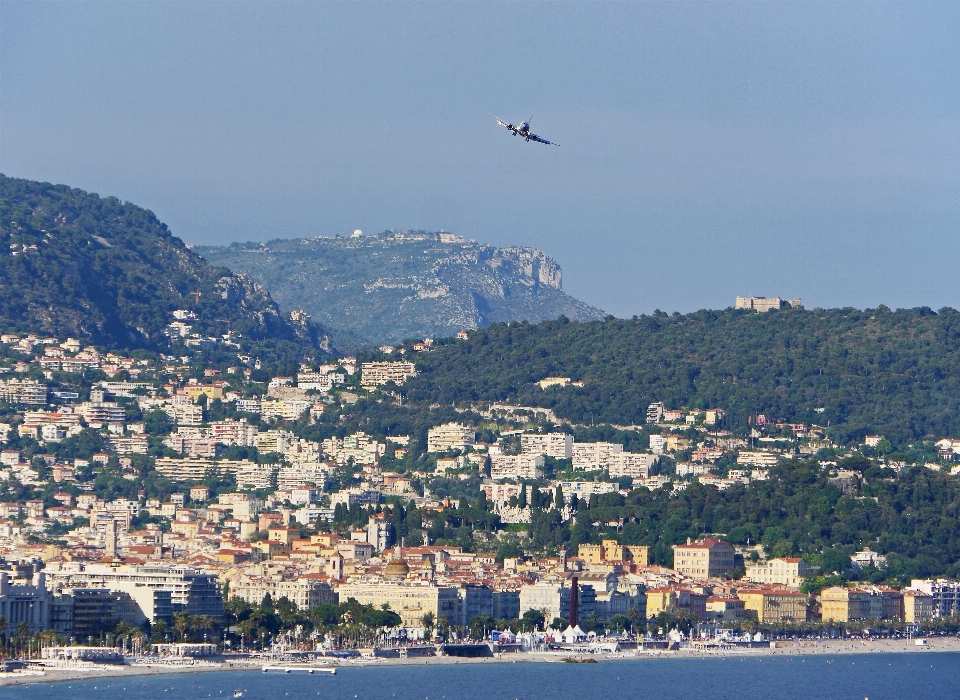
[523, 130]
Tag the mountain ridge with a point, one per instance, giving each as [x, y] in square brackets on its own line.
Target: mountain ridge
[110, 272]
[397, 285]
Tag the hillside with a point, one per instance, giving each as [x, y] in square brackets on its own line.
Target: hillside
[393, 286]
[77, 264]
[874, 371]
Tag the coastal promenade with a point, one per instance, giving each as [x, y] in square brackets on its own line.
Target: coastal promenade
[827, 648]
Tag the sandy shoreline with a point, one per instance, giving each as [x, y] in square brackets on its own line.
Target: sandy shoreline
[832, 647]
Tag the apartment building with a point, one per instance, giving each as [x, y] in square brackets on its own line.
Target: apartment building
[787, 571]
[757, 459]
[373, 374]
[655, 412]
[450, 436]
[26, 391]
[190, 590]
[842, 604]
[726, 609]
[102, 412]
[411, 601]
[771, 604]
[306, 592]
[631, 464]
[593, 456]
[556, 445]
[584, 489]
[287, 409]
[917, 606]
[945, 594]
[706, 558]
[234, 432]
[612, 551]
[516, 466]
[137, 443]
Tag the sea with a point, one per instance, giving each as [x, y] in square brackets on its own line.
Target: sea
[855, 676]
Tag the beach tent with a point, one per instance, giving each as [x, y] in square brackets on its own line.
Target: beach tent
[573, 634]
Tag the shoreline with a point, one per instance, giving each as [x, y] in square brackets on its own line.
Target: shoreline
[831, 647]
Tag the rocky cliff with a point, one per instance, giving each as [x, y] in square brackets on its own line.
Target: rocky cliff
[398, 285]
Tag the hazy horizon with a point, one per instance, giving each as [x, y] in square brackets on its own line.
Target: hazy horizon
[707, 150]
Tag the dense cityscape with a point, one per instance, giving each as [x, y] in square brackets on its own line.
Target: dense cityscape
[159, 504]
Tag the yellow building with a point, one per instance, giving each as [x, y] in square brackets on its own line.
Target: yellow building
[841, 604]
[676, 443]
[775, 604]
[208, 390]
[411, 601]
[611, 550]
[917, 606]
[788, 571]
[660, 600]
[726, 608]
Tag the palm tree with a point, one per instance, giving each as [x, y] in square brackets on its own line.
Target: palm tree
[245, 628]
[181, 623]
[428, 621]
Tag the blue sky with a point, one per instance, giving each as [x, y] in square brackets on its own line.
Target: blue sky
[707, 150]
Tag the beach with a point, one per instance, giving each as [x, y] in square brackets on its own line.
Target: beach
[820, 648]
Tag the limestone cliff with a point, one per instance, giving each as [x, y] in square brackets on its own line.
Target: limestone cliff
[398, 285]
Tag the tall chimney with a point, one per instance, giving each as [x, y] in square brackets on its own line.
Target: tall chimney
[574, 602]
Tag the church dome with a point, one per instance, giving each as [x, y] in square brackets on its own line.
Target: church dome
[397, 567]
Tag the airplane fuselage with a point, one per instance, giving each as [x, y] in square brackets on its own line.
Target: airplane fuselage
[523, 129]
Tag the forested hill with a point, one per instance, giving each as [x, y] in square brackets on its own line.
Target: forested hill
[396, 285]
[76, 264]
[860, 372]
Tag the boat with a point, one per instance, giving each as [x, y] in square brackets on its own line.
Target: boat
[238, 693]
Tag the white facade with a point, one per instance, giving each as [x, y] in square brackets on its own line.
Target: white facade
[631, 464]
[376, 373]
[515, 466]
[758, 459]
[556, 445]
[450, 436]
[592, 456]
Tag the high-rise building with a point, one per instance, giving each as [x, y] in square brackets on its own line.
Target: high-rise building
[556, 445]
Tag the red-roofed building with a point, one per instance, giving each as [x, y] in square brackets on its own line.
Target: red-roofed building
[704, 558]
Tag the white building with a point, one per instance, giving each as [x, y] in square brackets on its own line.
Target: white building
[655, 412]
[585, 489]
[306, 592]
[763, 304]
[592, 456]
[516, 466]
[450, 436]
[757, 459]
[191, 590]
[787, 571]
[658, 444]
[556, 445]
[632, 464]
[374, 374]
[287, 409]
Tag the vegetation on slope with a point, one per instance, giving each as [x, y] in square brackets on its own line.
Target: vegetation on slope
[859, 372]
[75, 264]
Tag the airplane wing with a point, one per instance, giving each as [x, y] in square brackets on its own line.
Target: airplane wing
[534, 137]
[503, 123]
